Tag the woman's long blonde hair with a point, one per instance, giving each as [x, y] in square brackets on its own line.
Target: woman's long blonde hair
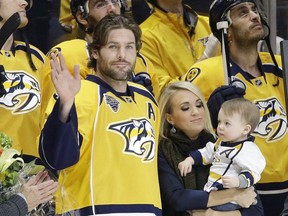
[165, 105]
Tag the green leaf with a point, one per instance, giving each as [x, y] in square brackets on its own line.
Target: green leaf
[5, 141]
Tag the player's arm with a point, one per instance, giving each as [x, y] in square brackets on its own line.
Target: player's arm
[61, 126]
[59, 144]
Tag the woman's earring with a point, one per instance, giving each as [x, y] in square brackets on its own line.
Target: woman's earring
[173, 129]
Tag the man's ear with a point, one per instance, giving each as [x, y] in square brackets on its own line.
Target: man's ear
[229, 36]
[81, 18]
[95, 54]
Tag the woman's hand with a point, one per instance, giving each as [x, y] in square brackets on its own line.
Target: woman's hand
[210, 212]
[245, 197]
[204, 212]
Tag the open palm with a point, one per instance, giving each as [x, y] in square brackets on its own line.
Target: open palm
[66, 85]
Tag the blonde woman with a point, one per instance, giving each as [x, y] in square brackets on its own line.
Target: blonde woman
[186, 126]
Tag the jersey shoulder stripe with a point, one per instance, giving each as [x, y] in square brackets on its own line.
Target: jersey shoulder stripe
[142, 91]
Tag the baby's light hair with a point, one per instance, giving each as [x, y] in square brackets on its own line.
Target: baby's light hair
[248, 111]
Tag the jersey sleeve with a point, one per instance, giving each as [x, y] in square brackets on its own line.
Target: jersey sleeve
[251, 161]
[205, 155]
[59, 145]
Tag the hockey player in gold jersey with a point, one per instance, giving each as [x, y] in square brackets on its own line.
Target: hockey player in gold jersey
[260, 76]
[24, 88]
[103, 135]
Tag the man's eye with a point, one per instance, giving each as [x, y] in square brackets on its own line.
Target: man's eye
[255, 11]
[112, 47]
[114, 2]
[101, 4]
[243, 11]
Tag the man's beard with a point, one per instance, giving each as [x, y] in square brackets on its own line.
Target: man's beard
[246, 39]
[115, 74]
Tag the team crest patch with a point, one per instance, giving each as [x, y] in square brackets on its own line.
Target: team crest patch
[22, 92]
[273, 121]
[192, 74]
[139, 138]
[112, 103]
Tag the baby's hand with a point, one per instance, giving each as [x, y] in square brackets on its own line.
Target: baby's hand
[185, 166]
[230, 182]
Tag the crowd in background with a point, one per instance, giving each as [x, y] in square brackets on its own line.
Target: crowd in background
[164, 72]
[44, 18]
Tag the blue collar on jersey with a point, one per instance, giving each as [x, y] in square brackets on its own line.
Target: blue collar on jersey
[232, 144]
[105, 87]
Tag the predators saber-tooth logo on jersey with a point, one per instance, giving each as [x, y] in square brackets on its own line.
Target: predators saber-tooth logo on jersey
[273, 121]
[23, 92]
[139, 138]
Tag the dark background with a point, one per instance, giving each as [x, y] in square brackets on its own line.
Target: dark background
[44, 28]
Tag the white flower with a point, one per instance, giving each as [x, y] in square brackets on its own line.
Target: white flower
[7, 159]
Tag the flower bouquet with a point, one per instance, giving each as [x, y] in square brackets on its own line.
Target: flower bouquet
[14, 172]
[10, 167]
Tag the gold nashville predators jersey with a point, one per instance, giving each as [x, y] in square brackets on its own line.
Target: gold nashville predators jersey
[20, 107]
[169, 46]
[117, 169]
[66, 17]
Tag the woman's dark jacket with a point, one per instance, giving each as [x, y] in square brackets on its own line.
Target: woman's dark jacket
[180, 194]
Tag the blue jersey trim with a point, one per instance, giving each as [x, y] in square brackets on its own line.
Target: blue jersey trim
[143, 92]
[108, 209]
[272, 186]
[104, 87]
